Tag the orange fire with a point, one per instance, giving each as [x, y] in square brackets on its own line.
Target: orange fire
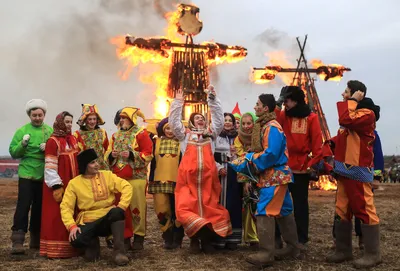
[325, 182]
[161, 55]
[332, 72]
[276, 58]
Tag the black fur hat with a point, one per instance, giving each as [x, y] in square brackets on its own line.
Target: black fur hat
[85, 158]
[295, 93]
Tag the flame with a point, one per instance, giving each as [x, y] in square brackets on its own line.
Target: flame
[135, 56]
[278, 59]
[220, 53]
[188, 111]
[258, 76]
[158, 52]
[325, 182]
[331, 72]
[171, 29]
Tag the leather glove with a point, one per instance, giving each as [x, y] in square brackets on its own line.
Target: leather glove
[25, 140]
[42, 146]
[58, 194]
[281, 98]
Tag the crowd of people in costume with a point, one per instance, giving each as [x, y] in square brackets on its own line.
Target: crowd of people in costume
[222, 179]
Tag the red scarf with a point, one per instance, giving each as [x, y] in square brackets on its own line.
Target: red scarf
[61, 130]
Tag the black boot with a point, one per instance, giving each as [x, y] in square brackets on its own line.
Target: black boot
[231, 246]
[34, 240]
[168, 237]
[194, 245]
[138, 242]
[178, 237]
[18, 238]
[205, 236]
[92, 252]
[119, 253]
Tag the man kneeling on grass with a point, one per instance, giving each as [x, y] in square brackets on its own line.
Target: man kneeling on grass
[92, 193]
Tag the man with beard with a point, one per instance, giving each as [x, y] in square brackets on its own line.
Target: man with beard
[28, 144]
[353, 164]
[304, 141]
[129, 153]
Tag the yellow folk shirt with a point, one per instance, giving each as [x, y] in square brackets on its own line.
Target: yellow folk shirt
[93, 197]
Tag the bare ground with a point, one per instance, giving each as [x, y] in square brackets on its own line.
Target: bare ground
[154, 257]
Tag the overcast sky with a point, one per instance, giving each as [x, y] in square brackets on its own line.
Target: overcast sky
[59, 51]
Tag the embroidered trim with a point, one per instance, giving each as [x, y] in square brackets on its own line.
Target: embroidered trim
[199, 178]
[99, 188]
[299, 126]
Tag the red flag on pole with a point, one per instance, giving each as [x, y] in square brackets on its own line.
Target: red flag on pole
[236, 111]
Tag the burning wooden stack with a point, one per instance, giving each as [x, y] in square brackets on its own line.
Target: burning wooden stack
[189, 61]
[189, 72]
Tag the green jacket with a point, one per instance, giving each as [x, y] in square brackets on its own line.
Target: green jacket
[31, 165]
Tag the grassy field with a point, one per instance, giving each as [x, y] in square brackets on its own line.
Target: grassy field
[154, 257]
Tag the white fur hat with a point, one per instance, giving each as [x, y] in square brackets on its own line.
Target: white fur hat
[36, 103]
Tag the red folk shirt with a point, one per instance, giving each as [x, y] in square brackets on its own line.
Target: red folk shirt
[355, 137]
[304, 139]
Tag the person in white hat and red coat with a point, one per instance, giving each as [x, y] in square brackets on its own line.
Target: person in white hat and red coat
[28, 144]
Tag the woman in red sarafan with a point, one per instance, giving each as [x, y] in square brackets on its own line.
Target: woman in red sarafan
[60, 167]
[197, 191]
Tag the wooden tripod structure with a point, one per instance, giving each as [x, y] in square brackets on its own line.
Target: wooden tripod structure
[302, 78]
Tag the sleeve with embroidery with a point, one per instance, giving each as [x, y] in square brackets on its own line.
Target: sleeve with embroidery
[217, 116]
[273, 149]
[67, 206]
[105, 140]
[143, 152]
[121, 186]
[79, 141]
[51, 176]
[175, 119]
[353, 118]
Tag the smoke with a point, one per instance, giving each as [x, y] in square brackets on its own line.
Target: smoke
[60, 52]
[272, 39]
